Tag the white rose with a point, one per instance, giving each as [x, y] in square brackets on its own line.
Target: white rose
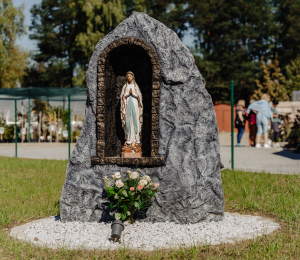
[143, 182]
[147, 178]
[119, 184]
[117, 175]
[134, 175]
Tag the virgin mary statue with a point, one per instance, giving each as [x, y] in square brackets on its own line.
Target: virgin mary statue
[131, 110]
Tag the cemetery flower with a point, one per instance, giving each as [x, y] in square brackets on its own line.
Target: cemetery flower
[139, 187]
[117, 175]
[156, 185]
[129, 193]
[105, 178]
[147, 178]
[119, 184]
[134, 175]
[142, 182]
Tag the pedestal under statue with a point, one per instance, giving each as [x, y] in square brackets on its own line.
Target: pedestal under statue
[131, 117]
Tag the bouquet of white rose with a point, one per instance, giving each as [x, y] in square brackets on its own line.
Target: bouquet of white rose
[130, 193]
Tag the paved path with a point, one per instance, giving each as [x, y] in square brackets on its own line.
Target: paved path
[273, 160]
[57, 151]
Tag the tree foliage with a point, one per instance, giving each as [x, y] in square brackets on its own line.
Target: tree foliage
[12, 58]
[271, 82]
[55, 26]
[288, 37]
[171, 13]
[67, 32]
[292, 82]
[232, 36]
[101, 18]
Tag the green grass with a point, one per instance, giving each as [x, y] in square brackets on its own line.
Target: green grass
[30, 189]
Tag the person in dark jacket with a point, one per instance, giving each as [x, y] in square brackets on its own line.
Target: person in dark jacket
[275, 124]
[240, 120]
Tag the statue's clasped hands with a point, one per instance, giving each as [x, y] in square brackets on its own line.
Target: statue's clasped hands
[133, 95]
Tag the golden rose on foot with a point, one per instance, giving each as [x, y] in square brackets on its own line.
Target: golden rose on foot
[119, 184]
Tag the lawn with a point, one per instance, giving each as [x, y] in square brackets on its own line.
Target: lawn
[30, 189]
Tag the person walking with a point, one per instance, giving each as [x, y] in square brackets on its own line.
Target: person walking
[275, 124]
[240, 120]
[263, 118]
[252, 126]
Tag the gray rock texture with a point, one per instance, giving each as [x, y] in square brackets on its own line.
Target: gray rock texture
[190, 182]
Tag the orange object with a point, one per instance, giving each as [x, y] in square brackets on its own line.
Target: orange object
[223, 113]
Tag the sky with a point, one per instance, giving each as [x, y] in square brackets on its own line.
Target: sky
[31, 45]
[24, 41]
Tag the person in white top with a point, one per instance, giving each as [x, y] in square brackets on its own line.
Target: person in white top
[131, 110]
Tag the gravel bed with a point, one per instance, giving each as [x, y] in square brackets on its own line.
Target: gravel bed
[147, 236]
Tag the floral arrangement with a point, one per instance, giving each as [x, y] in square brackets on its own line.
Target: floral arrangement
[130, 193]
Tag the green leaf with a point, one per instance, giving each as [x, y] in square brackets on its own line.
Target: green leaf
[117, 216]
[111, 191]
[136, 204]
[116, 196]
[123, 216]
[125, 193]
[112, 205]
[128, 213]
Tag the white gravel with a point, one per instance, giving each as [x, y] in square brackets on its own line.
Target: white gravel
[147, 236]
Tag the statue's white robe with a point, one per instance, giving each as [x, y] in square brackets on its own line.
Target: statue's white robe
[138, 105]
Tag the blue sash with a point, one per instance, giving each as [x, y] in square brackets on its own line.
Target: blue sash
[131, 113]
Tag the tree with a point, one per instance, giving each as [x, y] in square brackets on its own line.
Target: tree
[55, 25]
[43, 75]
[67, 31]
[271, 82]
[232, 36]
[12, 58]
[101, 18]
[171, 13]
[292, 82]
[288, 37]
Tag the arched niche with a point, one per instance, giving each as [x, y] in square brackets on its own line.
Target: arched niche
[120, 56]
